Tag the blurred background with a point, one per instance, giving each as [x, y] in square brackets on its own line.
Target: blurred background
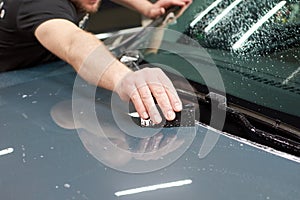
[112, 17]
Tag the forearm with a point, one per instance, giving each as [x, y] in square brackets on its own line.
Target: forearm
[88, 56]
[97, 65]
[152, 10]
[94, 62]
[141, 6]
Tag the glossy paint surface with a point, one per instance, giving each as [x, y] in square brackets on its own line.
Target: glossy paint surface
[41, 160]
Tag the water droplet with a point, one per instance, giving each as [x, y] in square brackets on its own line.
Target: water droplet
[2, 14]
[24, 115]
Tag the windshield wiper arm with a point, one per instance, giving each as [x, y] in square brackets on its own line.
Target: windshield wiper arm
[251, 132]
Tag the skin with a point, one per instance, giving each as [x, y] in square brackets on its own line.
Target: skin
[146, 8]
[75, 46]
[151, 10]
[90, 6]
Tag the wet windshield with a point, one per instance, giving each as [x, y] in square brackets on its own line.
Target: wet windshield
[255, 46]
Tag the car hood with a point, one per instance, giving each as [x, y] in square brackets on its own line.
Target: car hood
[45, 156]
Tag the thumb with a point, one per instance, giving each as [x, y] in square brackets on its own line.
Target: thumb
[156, 12]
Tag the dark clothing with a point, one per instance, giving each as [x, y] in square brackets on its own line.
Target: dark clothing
[18, 46]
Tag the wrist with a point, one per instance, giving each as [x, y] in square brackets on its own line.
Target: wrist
[113, 75]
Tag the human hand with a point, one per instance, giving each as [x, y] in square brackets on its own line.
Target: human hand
[159, 8]
[139, 86]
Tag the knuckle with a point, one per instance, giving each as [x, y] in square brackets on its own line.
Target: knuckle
[134, 97]
[145, 95]
[165, 105]
[159, 91]
[126, 82]
[158, 70]
[146, 69]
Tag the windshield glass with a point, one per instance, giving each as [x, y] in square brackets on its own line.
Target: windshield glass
[254, 44]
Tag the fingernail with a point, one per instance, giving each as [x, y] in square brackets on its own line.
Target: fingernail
[178, 106]
[157, 119]
[171, 115]
[145, 115]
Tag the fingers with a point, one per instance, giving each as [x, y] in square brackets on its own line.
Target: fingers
[141, 86]
[171, 92]
[168, 3]
[156, 11]
[144, 97]
[139, 105]
[159, 8]
[162, 89]
[160, 94]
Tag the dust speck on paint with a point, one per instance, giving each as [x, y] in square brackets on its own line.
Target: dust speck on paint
[24, 115]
